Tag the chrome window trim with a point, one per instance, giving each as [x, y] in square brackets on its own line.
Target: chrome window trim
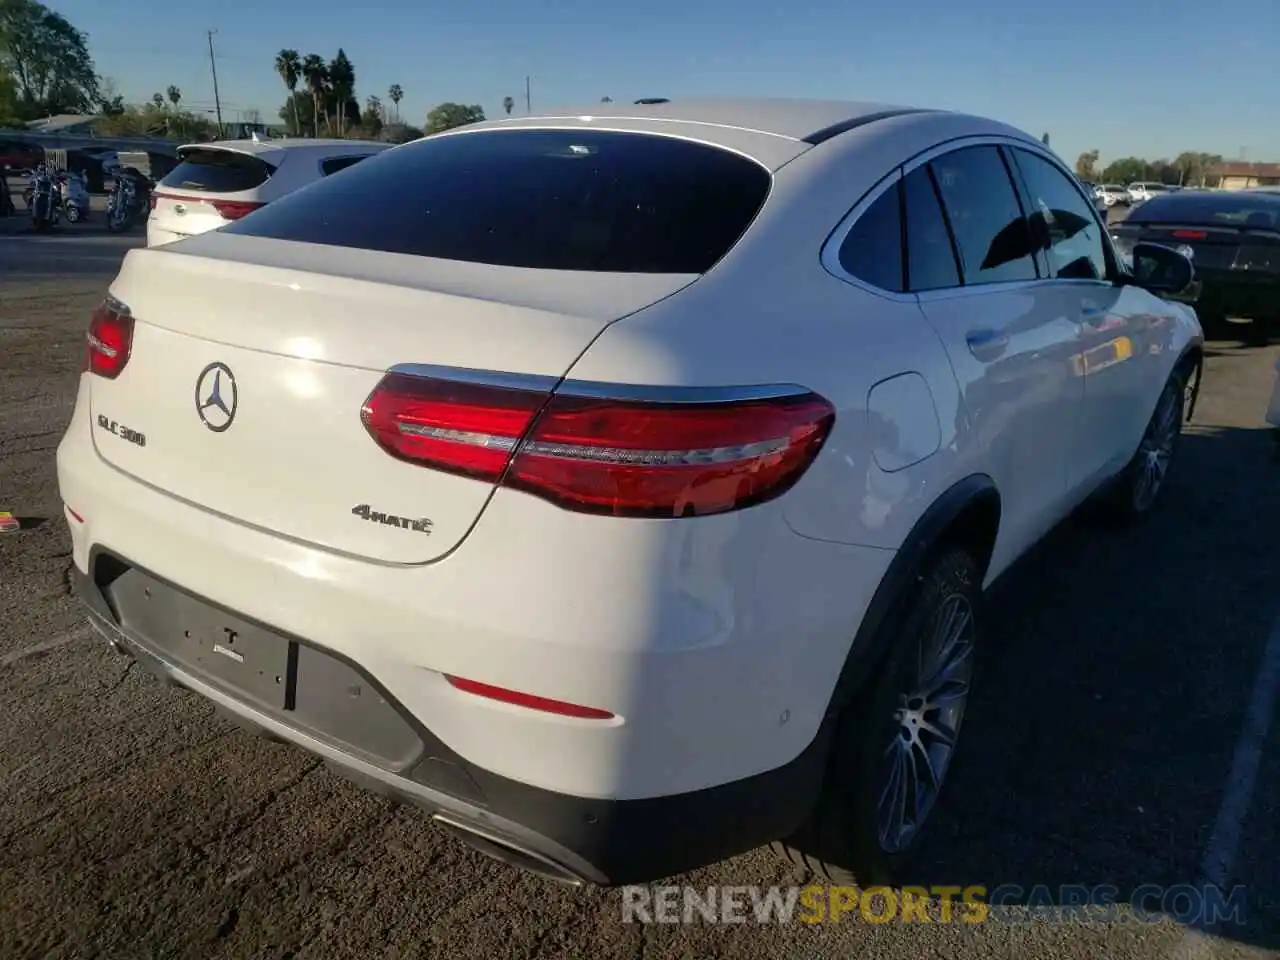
[597, 390]
[830, 253]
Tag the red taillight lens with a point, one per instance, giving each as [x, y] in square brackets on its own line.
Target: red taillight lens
[110, 339]
[234, 209]
[1190, 234]
[619, 457]
[153, 200]
[529, 700]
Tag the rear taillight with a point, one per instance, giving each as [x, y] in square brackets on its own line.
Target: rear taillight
[702, 453]
[109, 340]
[1190, 234]
[153, 200]
[234, 209]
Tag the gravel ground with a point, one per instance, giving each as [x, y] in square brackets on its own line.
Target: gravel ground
[134, 823]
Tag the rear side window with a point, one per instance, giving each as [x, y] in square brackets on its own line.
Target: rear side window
[1211, 209]
[872, 251]
[991, 232]
[333, 164]
[931, 259]
[217, 171]
[543, 199]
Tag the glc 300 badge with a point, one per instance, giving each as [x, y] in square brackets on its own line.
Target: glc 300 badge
[417, 525]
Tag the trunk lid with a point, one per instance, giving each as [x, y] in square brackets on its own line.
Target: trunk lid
[296, 336]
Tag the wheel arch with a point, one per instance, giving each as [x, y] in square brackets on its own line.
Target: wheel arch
[966, 514]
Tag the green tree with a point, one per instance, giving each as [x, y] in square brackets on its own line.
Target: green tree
[8, 99]
[400, 133]
[1087, 165]
[289, 67]
[342, 87]
[316, 75]
[1125, 170]
[446, 116]
[371, 121]
[48, 60]
[508, 104]
[298, 104]
[1044, 138]
[158, 100]
[395, 94]
[175, 96]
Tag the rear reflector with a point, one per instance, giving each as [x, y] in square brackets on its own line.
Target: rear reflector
[235, 209]
[528, 700]
[109, 340]
[617, 457]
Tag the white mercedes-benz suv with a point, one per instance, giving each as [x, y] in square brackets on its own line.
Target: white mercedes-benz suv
[623, 494]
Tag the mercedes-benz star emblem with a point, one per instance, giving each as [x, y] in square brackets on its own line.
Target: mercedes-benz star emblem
[216, 396]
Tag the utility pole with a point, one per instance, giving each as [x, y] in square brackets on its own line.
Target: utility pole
[217, 101]
[528, 100]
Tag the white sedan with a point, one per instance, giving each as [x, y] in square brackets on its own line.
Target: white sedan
[622, 490]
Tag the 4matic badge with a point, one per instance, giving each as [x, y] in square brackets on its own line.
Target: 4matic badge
[365, 512]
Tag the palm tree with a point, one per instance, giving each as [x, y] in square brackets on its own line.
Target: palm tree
[158, 100]
[508, 104]
[289, 67]
[316, 75]
[342, 82]
[396, 93]
[175, 96]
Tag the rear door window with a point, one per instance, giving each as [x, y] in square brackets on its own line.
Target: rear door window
[543, 199]
[217, 171]
[931, 258]
[991, 232]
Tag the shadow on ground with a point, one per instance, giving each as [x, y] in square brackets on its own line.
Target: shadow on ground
[1103, 760]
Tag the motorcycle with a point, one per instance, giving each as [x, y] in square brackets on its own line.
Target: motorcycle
[43, 199]
[74, 195]
[129, 201]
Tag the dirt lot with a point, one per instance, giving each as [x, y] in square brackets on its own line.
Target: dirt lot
[1118, 739]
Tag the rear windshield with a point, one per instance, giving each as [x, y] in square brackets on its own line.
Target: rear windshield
[217, 171]
[543, 199]
[1210, 209]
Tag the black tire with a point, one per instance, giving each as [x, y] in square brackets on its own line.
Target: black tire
[841, 841]
[1124, 502]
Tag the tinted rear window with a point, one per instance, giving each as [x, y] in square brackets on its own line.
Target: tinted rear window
[217, 171]
[543, 199]
[1209, 209]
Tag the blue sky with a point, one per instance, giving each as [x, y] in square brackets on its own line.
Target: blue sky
[1144, 77]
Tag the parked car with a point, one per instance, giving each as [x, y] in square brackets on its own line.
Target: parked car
[1144, 190]
[1114, 193]
[623, 522]
[1233, 238]
[217, 183]
[19, 156]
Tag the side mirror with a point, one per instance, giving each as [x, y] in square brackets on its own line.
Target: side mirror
[1165, 272]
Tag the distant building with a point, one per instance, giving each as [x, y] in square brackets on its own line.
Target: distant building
[1239, 175]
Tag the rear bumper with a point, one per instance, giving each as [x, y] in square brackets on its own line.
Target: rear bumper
[570, 839]
[1235, 293]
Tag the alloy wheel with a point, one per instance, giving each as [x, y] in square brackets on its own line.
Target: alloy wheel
[927, 722]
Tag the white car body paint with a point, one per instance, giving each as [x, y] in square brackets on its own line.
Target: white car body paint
[715, 641]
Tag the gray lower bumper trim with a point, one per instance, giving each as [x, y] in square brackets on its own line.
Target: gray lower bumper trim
[449, 809]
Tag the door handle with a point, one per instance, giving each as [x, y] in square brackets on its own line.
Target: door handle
[986, 344]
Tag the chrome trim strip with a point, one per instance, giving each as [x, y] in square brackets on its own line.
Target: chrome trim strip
[597, 390]
[480, 378]
[670, 394]
[830, 255]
